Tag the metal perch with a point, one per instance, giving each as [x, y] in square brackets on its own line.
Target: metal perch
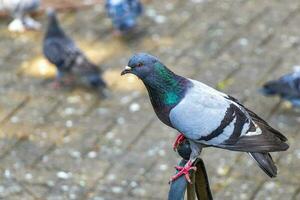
[200, 188]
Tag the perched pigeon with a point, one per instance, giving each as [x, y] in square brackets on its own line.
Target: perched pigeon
[205, 116]
[124, 14]
[19, 10]
[287, 87]
[70, 62]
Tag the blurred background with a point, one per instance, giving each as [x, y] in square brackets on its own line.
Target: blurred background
[69, 144]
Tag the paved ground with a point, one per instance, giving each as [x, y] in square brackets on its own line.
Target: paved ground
[68, 144]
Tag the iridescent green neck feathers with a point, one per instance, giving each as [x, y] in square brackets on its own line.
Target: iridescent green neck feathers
[165, 86]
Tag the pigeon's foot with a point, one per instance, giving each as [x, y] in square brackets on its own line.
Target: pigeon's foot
[60, 83]
[68, 80]
[103, 92]
[30, 23]
[184, 171]
[117, 33]
[16, 26]
[55, 85]
[179, 139]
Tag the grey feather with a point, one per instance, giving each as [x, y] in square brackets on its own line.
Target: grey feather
[266, 142]
[210, 117]
[233, 127]
[193, 115]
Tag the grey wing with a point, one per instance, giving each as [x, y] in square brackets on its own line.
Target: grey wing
[213, 118]
[87, 72]
[260, 137]
[204, 115]
[83, 66]
[211, 125]
[61, 52]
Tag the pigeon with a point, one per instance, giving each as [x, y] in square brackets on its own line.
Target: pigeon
[124, 14]
[19, 10]
[287, 87]
[69, 60]
[204, 116]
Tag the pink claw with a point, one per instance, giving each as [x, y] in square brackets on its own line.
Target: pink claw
[117, 33]
[184, 171]
[55, 85]
[179, 139]
[68, 81]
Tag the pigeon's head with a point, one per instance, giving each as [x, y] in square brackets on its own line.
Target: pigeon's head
[53, 28]
[50, 12]
[142, 65]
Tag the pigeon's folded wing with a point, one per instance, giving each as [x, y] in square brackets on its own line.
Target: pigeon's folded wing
[259, 138]
[60, 53]
[213, 118]
[265, 142]
[83, 66]
[54, 52]
[205, 115]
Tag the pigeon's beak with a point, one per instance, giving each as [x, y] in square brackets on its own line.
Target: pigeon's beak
[126, 70]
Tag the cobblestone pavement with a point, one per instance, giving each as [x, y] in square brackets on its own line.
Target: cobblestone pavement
[68, 144]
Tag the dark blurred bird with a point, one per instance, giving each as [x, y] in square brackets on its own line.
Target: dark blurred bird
[124, 14]
[19, 9]
[287, 87]
[205, 116]
[69, 60]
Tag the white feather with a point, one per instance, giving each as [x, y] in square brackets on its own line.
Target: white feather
[257, 131]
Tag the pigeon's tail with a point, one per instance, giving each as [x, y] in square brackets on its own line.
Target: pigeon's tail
[127, 24]
[270, 88]
[97, 82]
[265, 162]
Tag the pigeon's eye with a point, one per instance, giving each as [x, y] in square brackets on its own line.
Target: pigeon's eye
[140, 64]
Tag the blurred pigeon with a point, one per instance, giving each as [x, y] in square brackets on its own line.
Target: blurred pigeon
[287, 87]
[205, 116]
[124, 14]
[70, 62]
[19, 10]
